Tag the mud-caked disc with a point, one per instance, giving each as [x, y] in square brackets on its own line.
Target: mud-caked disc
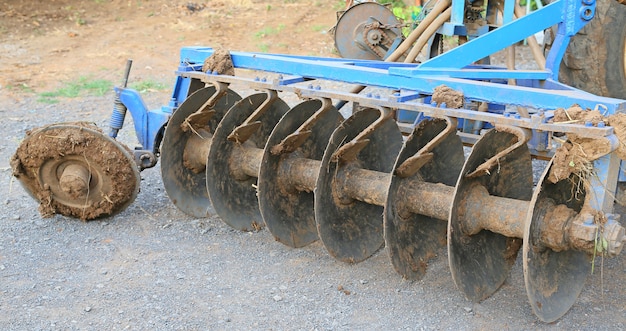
[288, 211]
[481, 262]
[553, 279]
[73, 169]
[352, 230]
[186, 185]
[413, 240]
[233, 197]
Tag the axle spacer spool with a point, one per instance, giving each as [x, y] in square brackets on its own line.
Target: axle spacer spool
[288, 210]
[233, 193]
[480, 262]
[414, 239]
[185, 181]
[352, 230]
[75, 170]
[553, 279]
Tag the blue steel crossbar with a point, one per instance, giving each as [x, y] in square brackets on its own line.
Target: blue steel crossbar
[570, 15]
[539, 96]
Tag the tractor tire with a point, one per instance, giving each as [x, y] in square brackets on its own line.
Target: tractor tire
[595, 59]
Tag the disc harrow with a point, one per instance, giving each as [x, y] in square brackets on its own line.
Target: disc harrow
[373, 179]
[425, 187]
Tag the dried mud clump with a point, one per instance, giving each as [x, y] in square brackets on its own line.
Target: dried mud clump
[452, 98]
[575, 156]
[618, 122]
[577, 115]
[219, 62]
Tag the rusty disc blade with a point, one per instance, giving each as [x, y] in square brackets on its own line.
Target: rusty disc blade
[553, 279]
[480, 263]
[288, 211]
[235, 198]
[352, 230]
[413, 240]
[73, 169]
[186, 186]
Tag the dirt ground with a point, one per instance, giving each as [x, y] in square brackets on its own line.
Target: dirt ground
[48, 42]
[152, 267]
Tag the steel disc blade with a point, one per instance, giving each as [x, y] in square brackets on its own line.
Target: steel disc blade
[234, 199]
[480, 263]
[352, 24]
[289, 213]
[73, 169]
[187, 187]
[413, 240]
[553, 279]
[352, 232]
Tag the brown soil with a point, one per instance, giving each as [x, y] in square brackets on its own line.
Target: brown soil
[45, 44]
[452, 98]
[618, 122]
[46, 152]
[219, 62]
[576, 154]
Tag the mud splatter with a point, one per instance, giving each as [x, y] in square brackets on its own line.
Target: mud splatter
[452, 98]
[575, 156]
[219, 62]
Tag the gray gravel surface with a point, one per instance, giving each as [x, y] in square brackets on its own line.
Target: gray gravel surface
[151, 267]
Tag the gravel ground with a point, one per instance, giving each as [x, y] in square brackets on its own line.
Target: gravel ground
[151, 267]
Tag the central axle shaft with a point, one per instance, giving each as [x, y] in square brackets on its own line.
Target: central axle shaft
[480, 211]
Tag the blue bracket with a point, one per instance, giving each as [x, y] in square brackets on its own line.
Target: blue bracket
[570, 15]
[148, 124]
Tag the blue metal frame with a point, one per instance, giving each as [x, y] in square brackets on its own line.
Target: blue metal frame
[537, 90]
[517, 30]
[149, 124]
[541, 94]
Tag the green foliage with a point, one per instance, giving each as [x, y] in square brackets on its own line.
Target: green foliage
[407, 14]
[147, 86]
[319, 28]
[269, 31]
[339, 5]
[22, 87]
[84, 86]
[393, 3]
[263, 47]
[533, 4]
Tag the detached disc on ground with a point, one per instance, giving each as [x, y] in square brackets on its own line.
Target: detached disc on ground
[73, 169]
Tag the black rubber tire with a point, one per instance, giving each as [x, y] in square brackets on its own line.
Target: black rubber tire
[595, 58]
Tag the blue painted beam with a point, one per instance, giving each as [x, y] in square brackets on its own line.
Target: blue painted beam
[500, 38]
[472, 73]
[319, 68]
